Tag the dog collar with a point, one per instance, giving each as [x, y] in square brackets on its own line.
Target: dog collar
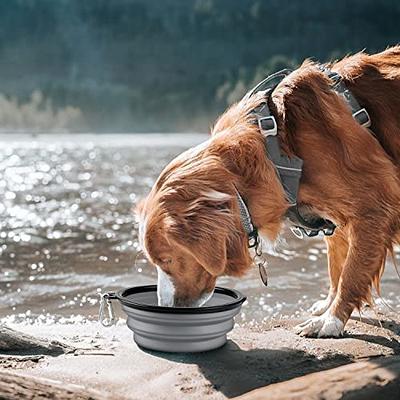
[253, 239]
[250, 229]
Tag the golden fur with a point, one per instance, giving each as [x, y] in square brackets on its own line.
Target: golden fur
[351, 176]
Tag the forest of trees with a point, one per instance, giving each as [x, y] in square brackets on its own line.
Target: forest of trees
[170, 65]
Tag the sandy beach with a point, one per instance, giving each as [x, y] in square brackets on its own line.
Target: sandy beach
[108, 364]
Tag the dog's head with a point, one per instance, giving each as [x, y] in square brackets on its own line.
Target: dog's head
[190, 225]
[190, 229]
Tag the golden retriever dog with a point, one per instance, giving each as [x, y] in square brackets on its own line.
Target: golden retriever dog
[190, 225]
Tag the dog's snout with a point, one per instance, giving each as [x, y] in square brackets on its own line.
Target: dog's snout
[165, 289]
[190, 302]
[183, 302]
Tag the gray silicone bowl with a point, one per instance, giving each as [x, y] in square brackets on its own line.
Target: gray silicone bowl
[179, 329]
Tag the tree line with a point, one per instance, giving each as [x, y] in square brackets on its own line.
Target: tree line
[171, 65]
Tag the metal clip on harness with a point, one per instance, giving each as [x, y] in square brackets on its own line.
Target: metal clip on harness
[300, 232]
[106, 311]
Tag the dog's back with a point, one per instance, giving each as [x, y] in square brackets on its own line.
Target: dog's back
[375, 82]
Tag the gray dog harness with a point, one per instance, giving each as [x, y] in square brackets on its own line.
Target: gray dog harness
[289, 169]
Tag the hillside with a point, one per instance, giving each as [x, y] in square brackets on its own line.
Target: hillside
[171, 65]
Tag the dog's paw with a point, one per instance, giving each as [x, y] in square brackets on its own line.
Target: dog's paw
[320, 306]
[325, 325]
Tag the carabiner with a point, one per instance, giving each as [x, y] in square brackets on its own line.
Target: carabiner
[105, 302]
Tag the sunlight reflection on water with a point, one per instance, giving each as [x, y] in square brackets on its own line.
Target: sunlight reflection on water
[67, 230]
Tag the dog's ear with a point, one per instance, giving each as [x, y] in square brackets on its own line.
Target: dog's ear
[210, 252]
[202, 228]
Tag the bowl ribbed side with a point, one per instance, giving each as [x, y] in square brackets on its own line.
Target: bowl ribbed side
[180, 332]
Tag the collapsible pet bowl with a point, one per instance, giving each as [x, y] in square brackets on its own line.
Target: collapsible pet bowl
[178, 329]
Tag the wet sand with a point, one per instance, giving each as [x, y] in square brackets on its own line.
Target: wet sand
[109, 362]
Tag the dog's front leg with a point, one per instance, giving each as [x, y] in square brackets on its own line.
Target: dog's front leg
[366, 255]
[338, 246]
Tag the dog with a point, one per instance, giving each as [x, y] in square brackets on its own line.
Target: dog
[190, 226]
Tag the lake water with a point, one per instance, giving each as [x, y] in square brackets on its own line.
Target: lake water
[67, 231]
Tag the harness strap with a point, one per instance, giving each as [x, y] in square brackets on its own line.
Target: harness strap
[360, 114]
[289, 169]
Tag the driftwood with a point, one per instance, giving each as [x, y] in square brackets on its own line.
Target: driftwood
[373, 379]
[21, 387]
[18, 350]
[18, 343]
[19, 362]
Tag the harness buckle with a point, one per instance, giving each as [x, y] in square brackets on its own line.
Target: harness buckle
[268, 126]
[362, 117]
[300, 232]
[297, 232]
[333, 76]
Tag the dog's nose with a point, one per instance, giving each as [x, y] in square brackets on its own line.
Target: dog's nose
[184, 302]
